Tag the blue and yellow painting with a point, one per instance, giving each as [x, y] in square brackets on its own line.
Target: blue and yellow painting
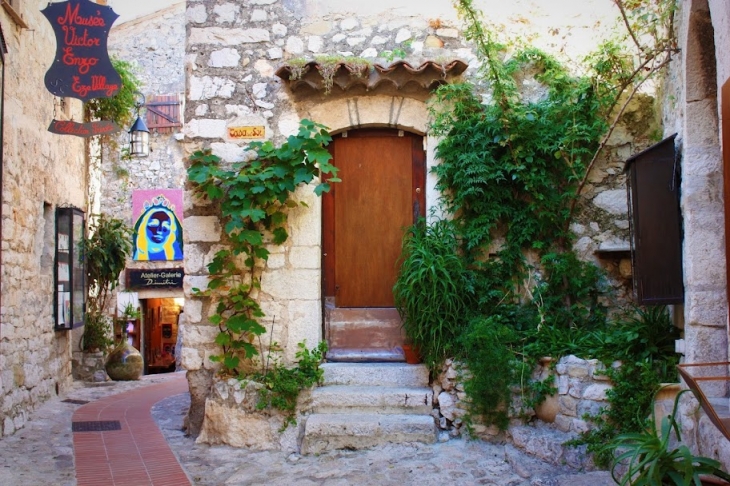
[158, 230]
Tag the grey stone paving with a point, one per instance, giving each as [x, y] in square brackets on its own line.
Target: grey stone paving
[42, 454]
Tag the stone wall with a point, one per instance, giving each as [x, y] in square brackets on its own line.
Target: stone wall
[233, 50]
[89, 366]
[581, 389]
[40, 172]
[232, 418]
[155, 46]
[691, 108]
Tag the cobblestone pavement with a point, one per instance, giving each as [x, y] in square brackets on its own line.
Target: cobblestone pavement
[42, 454]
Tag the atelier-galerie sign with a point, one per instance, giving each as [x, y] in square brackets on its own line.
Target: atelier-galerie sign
[82, 68]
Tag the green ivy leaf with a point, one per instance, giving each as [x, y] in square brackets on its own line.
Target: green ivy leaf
[323, 187]
[214, 192]
[231, 362]
[251, 237]
[223, 339]
[318, 155]
[262, 253]
[280, 236]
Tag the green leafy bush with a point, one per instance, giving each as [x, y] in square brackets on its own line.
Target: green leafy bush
[105, 253]
[645, 344]
[120, 108]
[511, 174]
[283, 385]
[652, 460]
[485, 349]
[432, 293]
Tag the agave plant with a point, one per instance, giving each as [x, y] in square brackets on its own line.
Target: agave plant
[653, 462]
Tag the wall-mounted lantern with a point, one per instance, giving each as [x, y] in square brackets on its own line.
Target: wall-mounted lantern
[139, 134]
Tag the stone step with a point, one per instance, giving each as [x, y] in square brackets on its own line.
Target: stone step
[364, 334]
[324, 432]
[372, 399]
[375, 374]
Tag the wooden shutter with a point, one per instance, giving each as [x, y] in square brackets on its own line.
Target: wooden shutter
[656, 225]
[163, 113]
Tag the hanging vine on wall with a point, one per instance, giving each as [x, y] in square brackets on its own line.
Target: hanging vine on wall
[120, 107]
[254, 199]
[511, 172]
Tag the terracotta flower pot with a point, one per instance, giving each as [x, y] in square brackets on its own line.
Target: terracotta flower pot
[413, 356]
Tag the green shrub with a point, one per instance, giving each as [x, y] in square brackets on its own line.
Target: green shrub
[484, 348]
[283, 385]
[433, 293]
[105, 253]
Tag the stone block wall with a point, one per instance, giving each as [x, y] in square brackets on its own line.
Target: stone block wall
[233, 50]
[692, 108]
[155, 46]
[89, 366]
[581, 390]
[41, 172]
[232, 418]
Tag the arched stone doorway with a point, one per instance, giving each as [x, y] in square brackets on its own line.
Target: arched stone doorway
[702, 196]
[372, 135]
[364, 219]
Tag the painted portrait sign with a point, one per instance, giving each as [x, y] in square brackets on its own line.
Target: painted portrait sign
[82, 68]
[158, 229]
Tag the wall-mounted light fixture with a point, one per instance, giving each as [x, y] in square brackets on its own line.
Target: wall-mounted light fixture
[139, 134]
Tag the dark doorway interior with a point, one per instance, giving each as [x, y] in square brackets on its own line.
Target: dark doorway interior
[160, 334]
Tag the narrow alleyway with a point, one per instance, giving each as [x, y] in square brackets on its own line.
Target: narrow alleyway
[43, 452]
[136, 453]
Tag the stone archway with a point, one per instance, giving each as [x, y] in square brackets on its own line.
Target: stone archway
[367, 328]
[380, 111]
[706, 337]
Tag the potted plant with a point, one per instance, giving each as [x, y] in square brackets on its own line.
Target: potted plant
[654, 460]
[128, 316]
[125, 362]
[411, 352]
[105, 253]
[431, 292]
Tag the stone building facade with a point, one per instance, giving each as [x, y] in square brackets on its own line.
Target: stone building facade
[693, 101]
[233, 53]
[154, 45]
[41, 172]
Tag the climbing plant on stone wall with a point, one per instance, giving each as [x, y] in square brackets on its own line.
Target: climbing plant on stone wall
[254, 197]
[511, 173]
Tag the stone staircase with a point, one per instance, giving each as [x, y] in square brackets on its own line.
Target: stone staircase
[363, 405]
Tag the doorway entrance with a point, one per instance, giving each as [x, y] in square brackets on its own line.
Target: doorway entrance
[382, 193]
[160, 329]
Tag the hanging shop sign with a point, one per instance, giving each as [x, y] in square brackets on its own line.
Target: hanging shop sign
[84, 130]
[82, 68]
[167, 278]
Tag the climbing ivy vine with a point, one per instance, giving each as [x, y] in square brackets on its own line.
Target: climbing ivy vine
[511, 173]
[255, 197]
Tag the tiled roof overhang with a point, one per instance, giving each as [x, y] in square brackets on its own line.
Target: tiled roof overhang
[399, 78]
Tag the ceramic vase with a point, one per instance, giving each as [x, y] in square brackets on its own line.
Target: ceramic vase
[124, 362]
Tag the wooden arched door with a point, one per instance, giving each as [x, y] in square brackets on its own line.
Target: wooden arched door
[364, 218]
